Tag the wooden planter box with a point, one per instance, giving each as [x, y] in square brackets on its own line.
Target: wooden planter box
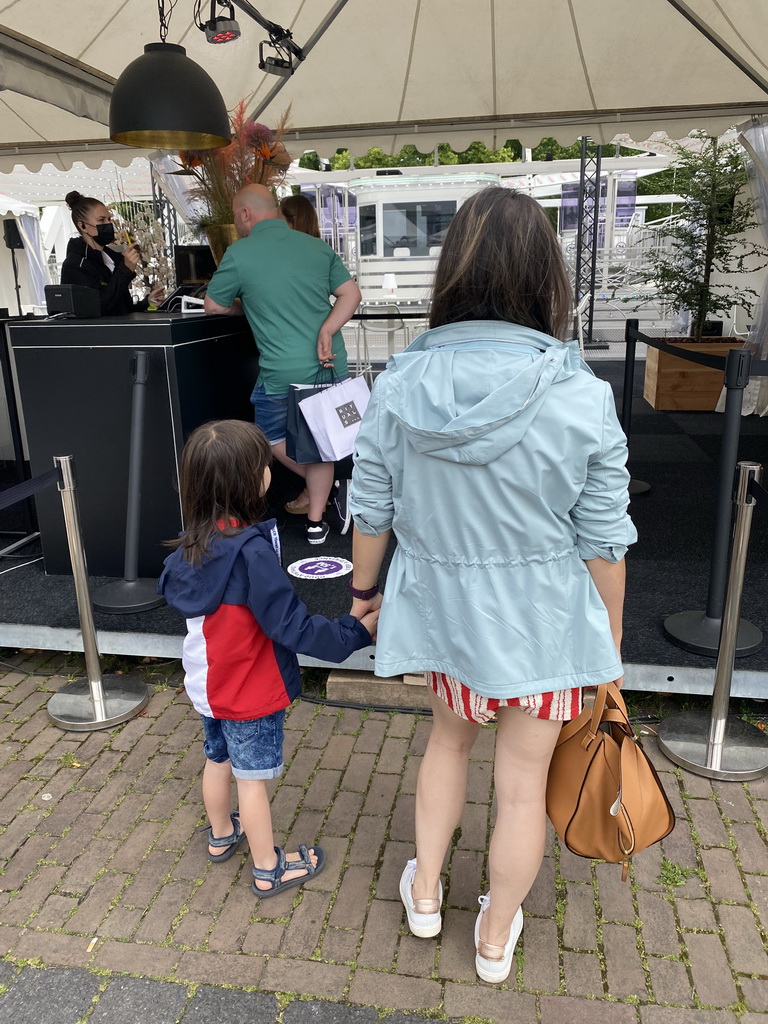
[672, 383]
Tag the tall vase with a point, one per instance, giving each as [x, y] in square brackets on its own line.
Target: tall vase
[219, 237]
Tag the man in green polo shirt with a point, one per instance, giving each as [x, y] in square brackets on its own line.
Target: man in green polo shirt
[282, 280]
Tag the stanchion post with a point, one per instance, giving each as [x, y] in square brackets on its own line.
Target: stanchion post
[699, 631]
[630, 348]
[745, 503]
[718, 746]
[631, 327]
[67, 487]
[737, 367]
[135, 453]
[99, 702]
[131, 594]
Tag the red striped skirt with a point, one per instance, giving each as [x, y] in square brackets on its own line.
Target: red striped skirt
[556, 706]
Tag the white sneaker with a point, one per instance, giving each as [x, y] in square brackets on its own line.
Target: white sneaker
[424, 918]
[493, 963]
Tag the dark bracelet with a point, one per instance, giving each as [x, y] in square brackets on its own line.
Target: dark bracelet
[363, 595]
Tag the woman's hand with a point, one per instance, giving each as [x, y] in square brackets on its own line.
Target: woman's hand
[360, 608]
[370, 621]
[131, 257]
[156, 295]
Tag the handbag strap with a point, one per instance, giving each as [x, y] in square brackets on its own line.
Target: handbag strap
[592, 715]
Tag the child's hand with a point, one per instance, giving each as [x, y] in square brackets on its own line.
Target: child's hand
[370, 621]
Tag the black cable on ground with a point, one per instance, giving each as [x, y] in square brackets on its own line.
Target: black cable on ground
[16, 668]
[348, 705]
[424, 712]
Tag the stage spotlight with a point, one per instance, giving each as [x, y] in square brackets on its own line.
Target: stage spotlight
[281, 64]
[219, 29]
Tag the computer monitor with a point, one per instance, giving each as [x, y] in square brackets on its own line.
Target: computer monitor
[194, 264]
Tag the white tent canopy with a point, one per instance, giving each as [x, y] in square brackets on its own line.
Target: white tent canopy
[15, 207]
[404, 71]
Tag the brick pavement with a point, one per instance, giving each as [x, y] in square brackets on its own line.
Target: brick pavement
[105, 882]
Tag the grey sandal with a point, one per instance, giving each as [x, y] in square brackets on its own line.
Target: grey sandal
[276, 874]
[231, 842]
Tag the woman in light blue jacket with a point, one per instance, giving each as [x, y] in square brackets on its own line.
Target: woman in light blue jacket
[496, 457]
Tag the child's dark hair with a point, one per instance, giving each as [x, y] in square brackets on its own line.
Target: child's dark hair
[221, 477]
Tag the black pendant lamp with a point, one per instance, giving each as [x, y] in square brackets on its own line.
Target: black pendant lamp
[163, 100]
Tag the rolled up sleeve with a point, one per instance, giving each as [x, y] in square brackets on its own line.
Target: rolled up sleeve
[370, 500]
[603, 526]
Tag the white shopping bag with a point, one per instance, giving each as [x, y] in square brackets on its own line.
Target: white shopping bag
[333, 415]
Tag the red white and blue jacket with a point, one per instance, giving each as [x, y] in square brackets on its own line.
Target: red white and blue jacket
[245, 625]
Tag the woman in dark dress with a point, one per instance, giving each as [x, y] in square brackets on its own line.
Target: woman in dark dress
[90, 263]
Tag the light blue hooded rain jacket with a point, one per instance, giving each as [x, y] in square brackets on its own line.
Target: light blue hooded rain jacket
[496, 456]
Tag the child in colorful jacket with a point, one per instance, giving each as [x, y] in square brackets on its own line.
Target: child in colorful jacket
[245, 625]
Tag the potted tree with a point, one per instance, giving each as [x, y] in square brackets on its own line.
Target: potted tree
[699, 268]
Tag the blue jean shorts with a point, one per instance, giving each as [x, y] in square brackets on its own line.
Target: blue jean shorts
[270, 413]
[255, 747]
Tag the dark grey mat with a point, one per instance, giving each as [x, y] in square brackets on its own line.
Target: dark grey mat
[668, 568]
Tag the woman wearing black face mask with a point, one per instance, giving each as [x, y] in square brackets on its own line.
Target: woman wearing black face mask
[89, 262]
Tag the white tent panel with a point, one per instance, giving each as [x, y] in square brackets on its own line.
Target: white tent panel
[9, 205]
[107, 182]
[420, 71]
[25, 119]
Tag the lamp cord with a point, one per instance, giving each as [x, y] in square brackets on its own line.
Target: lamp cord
[165, 16]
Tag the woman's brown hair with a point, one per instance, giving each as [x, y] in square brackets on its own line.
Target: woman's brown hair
[80, 207]
[501, 260]
[300, 214]
[220, 482]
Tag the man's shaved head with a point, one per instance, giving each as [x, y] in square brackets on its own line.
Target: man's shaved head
[257, 198]
[252, 204]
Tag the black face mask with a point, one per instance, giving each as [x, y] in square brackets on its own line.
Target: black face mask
[105, 233]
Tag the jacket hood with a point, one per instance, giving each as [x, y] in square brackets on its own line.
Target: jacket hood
[194, 590]
[468, 392]
[76, 247]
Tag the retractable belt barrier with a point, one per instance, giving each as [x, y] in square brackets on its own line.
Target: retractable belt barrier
[699, 631]
[758, 492]
[721, 746]
[19, 492]
[98, 702]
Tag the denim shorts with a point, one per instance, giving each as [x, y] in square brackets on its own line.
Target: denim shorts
[271, 413]
[255, 747]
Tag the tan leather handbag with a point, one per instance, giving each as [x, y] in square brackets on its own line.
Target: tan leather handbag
[604, 797]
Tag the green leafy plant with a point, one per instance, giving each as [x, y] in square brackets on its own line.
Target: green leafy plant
[705, 237]
[673, 875]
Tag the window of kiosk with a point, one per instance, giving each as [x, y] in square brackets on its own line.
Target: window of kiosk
[417, 227]
[367, 221]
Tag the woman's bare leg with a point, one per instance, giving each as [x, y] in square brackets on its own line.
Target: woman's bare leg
[440, 793]
[524, 747]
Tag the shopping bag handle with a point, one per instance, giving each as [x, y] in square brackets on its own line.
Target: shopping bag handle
[334, 379]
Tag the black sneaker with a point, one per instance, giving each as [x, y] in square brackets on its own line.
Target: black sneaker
[317, 532]
[338, 513]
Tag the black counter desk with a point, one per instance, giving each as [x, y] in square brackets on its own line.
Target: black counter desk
[75, 380]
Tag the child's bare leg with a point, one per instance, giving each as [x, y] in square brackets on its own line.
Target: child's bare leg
[256, 819]
[217, 779]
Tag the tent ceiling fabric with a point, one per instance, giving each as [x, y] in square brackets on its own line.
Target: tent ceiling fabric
[404, 71]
